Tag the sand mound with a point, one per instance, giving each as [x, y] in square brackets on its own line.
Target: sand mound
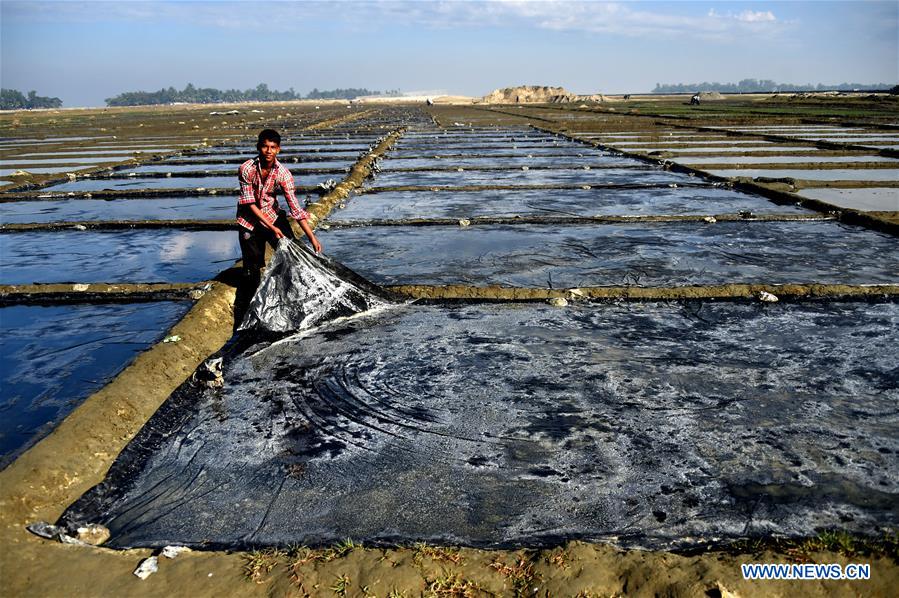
[710, 95]
[530, 94]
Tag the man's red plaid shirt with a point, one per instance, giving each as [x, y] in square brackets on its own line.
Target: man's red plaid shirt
[263, 193]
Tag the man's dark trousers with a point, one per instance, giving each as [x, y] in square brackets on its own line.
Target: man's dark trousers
[252, 246]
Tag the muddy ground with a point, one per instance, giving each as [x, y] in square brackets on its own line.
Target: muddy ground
[51, 475]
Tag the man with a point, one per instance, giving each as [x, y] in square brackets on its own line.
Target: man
[260, 217]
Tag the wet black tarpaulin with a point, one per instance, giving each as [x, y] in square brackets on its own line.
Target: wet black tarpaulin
[650, 424]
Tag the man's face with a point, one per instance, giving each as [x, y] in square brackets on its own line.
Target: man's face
[268, 150]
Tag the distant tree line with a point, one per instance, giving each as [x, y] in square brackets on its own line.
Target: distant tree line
[11, 99]
[209, 95]
[763, 85]
[348, 94]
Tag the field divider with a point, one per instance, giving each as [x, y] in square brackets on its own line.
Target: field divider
[57, 293]
[633, 293]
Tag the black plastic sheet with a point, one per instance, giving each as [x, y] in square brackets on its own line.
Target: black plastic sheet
[650, 425]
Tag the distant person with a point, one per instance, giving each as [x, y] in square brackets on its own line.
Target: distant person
[260, 217]
[695, 100]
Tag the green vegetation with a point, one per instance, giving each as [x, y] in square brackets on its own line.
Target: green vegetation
[209, 95]
[763, 86]
[12, 99]
[800, 549]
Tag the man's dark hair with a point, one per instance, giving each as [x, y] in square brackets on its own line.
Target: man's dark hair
[268, 135]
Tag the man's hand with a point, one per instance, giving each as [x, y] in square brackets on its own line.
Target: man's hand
[278, 234]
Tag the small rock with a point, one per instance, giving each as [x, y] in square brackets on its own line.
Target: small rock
[574, 294]
[174, 338]
[212, 192]
[168, 175]
[196, 294]
[171, 552]
[341, 206]
[79, 227]
[768, 297]
[147, 567]
[210, 374]
[67, 539]
[586, 187]
[586, 168]
[673, 185]
[45, 530]
[87, 196]
[710, 219]
[558, 302]
[200, 189]
[132, 174]
[93, 534]
[324, 226]
[80, 287]
[460, 169]
[463, 222]
[72, 176]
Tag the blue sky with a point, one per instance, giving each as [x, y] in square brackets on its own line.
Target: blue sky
[84, 52]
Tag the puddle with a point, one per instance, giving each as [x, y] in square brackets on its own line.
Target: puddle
[659, 254]
[398, 205]
[650, 425]
[871, 198]
[604, 176]
[779, 159]
[57, 356]
[116, 256]
[218, 207]
[837, 174]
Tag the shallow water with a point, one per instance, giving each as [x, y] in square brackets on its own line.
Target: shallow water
[780, 159]
[496, 151]
[215, 207]
[659, 254]
[115, 256]
[837, 174]
[586, 158]
[175, 182]
[716, 150]
[553, 203]
[518, 425]
[296, 169]
[871, 198]
[605, 176]
[57, 356]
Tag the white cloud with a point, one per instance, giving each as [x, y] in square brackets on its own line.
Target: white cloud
[628, 19]
[748, 16]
